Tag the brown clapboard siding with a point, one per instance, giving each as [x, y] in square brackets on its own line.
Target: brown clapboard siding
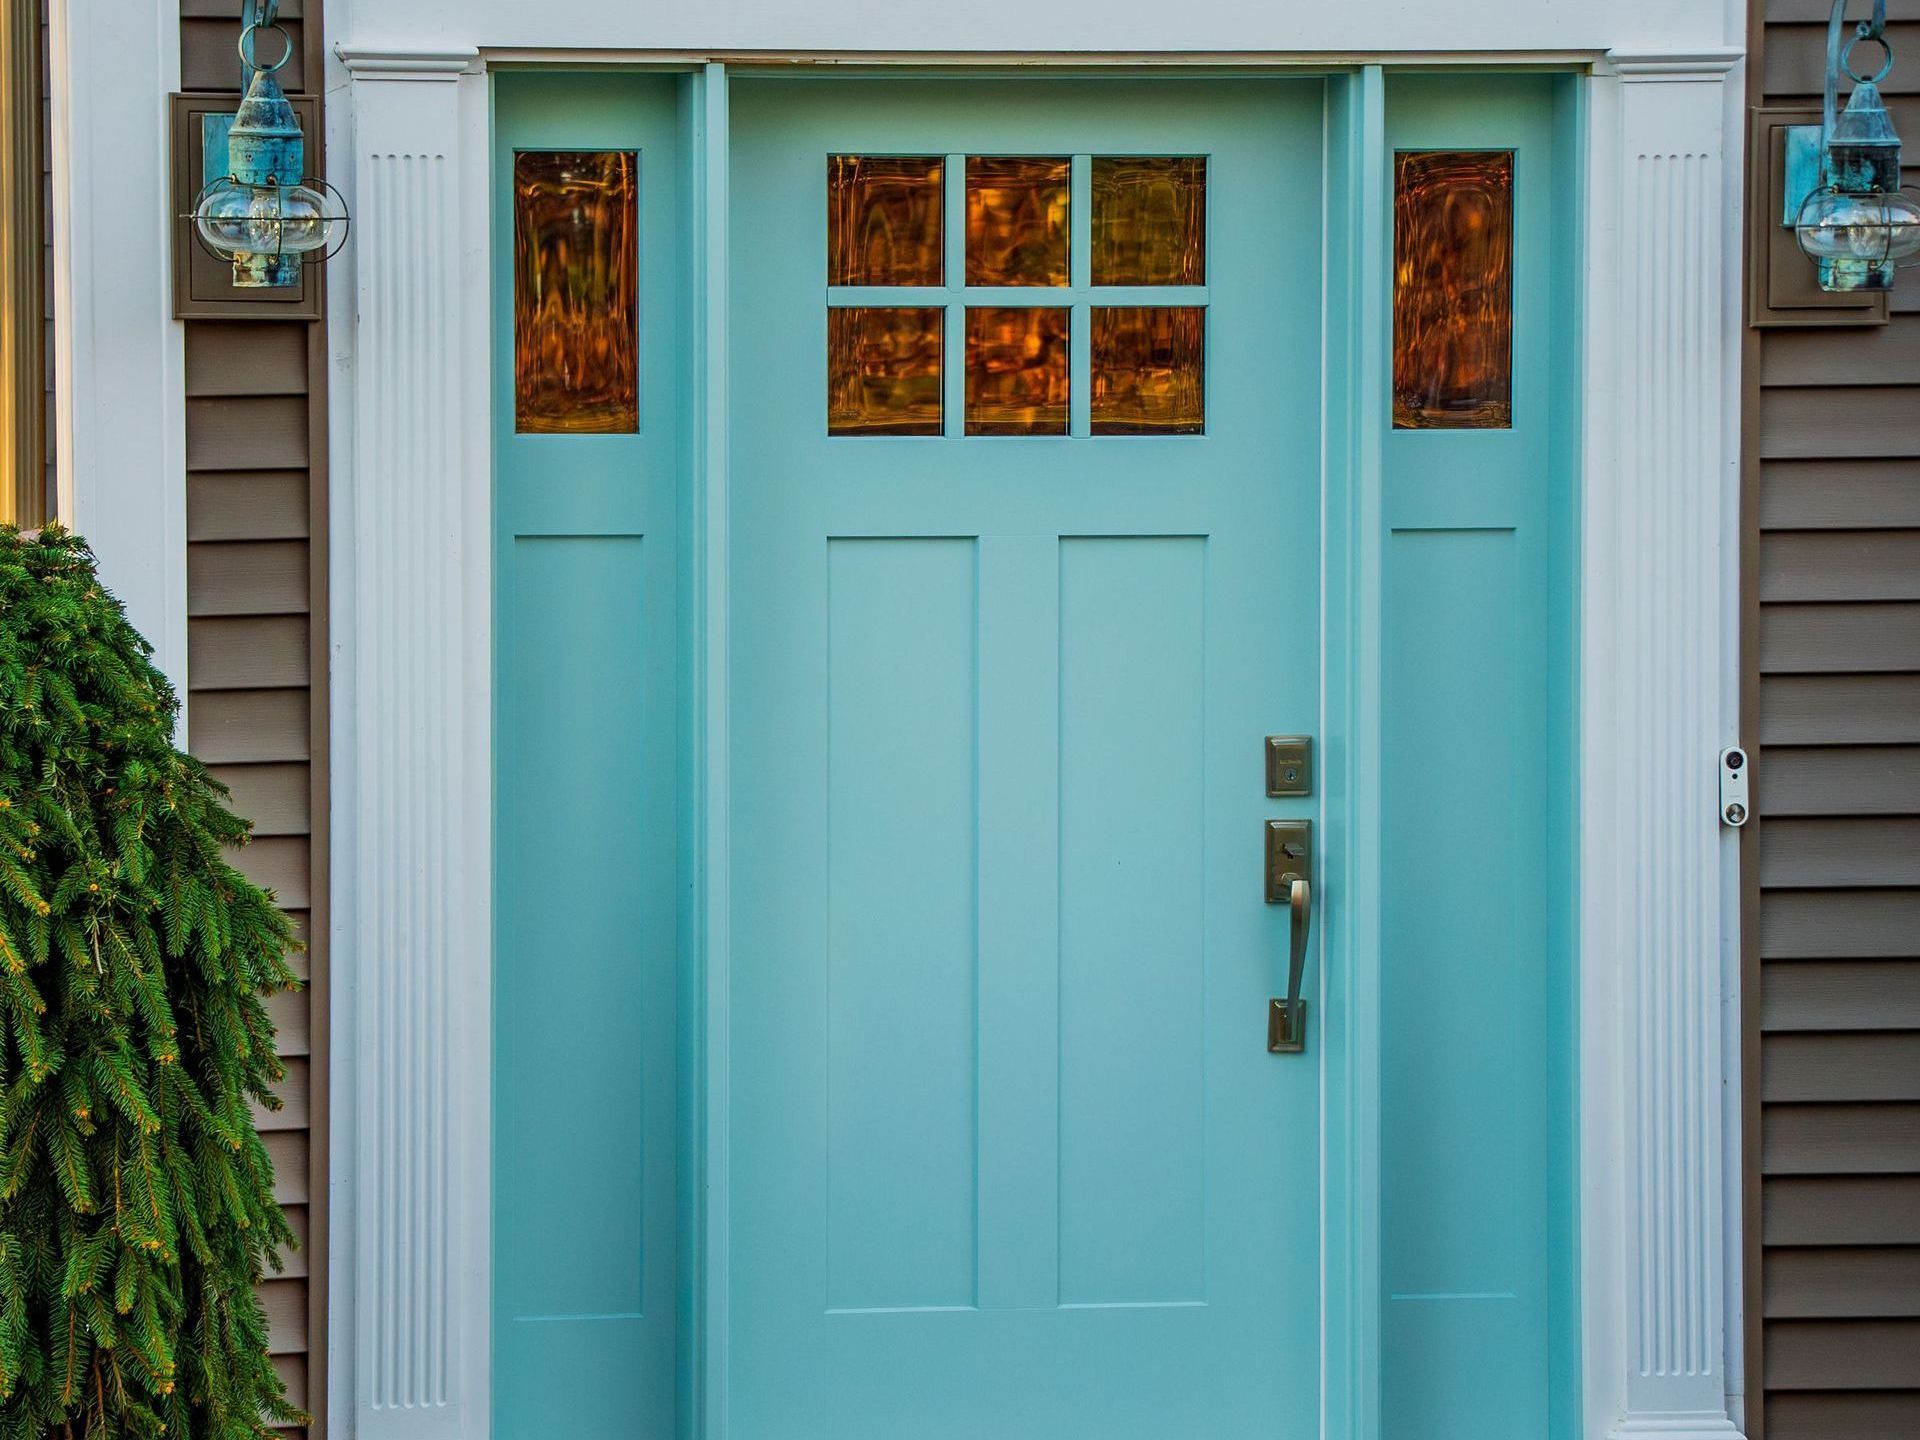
[1839, 710]
[1838, 780]
[1882, 1139]
[1838, 494]
[274, 797]
[1840, 565]
[1809, 357]
[1808, 423]
[1795, 59]
[1843, 1415]
[1810, 1210]
[237, 726]
[1811, 1283]
[1815, 925]
[1850, 1354]
[1826, 1067]
[1830, 863]
[1828, 995]
[248, 505]
[1857, 638]
[247, 577]
[1839, 852]
[246, 357]
[249, 652]
[255, 407]
[246, 432]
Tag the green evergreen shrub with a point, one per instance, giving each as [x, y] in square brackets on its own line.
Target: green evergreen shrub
[136, 1197]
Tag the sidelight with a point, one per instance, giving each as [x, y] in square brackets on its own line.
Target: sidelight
[1453, 290]
[576, 308]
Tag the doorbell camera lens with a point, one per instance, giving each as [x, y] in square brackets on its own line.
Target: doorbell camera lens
[1735, 759]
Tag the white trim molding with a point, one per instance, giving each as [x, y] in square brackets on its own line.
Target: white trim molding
[1653, 611]
[413, 769]
[412, 626]
[119, 362]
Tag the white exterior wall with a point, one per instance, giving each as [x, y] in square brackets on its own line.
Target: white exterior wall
[119, 362]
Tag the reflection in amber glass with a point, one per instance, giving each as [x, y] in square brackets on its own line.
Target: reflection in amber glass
[576, 334]
[1149, 220]
[1148, 369]
[883, 219]
[883, 370]
[1016, 370]
[1453, 290]
[1016, 220]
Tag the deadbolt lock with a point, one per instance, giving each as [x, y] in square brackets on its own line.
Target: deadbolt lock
[1289, 765]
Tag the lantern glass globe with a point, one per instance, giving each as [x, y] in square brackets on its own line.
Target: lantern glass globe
[240, 219]
[1873, 227]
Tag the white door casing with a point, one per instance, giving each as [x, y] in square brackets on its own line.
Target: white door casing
[411, 622]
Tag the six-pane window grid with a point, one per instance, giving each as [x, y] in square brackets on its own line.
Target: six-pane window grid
[1069, 299]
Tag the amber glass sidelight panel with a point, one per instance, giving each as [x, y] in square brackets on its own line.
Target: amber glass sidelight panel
[1016, 370]
[1149, 373]
[1453, 290]
[1149, 220]
[1016, 220]
[576, 323]
[883, 370]
[884, 219]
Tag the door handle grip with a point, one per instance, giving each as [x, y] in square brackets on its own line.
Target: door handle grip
[1287, 1019]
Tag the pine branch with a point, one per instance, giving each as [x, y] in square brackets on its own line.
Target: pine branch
[136, 1197]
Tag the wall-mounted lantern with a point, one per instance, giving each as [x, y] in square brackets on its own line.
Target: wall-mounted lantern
[259, 209]
[1844, 201]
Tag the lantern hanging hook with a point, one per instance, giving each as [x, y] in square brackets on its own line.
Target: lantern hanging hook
[1873, 28]
[255, 16]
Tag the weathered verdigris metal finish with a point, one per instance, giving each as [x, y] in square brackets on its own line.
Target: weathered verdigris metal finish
[265, 152]
[1855, 152]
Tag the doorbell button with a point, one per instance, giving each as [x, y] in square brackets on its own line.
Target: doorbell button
[1734, 805]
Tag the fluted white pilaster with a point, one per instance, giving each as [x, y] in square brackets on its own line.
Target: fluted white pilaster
[412, 722]
[1653, 611]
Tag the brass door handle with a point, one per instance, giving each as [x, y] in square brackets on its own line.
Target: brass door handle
[1287, 1019]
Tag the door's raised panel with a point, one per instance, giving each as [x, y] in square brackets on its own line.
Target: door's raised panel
[1019, 998]
[1463, 987]
[573, 979]
[1132, 920]
[901, 903]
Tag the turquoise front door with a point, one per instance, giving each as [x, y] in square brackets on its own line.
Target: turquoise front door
[1026, 564]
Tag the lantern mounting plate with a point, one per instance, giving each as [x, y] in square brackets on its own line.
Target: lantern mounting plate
[1803, 170]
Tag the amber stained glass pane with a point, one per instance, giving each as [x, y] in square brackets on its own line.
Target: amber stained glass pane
[1453, 290]
[884, 219]
[1016, 220]
[883, 370]
[576, 330]
[1149, 220]
[1016, 370]
[1149, 373]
